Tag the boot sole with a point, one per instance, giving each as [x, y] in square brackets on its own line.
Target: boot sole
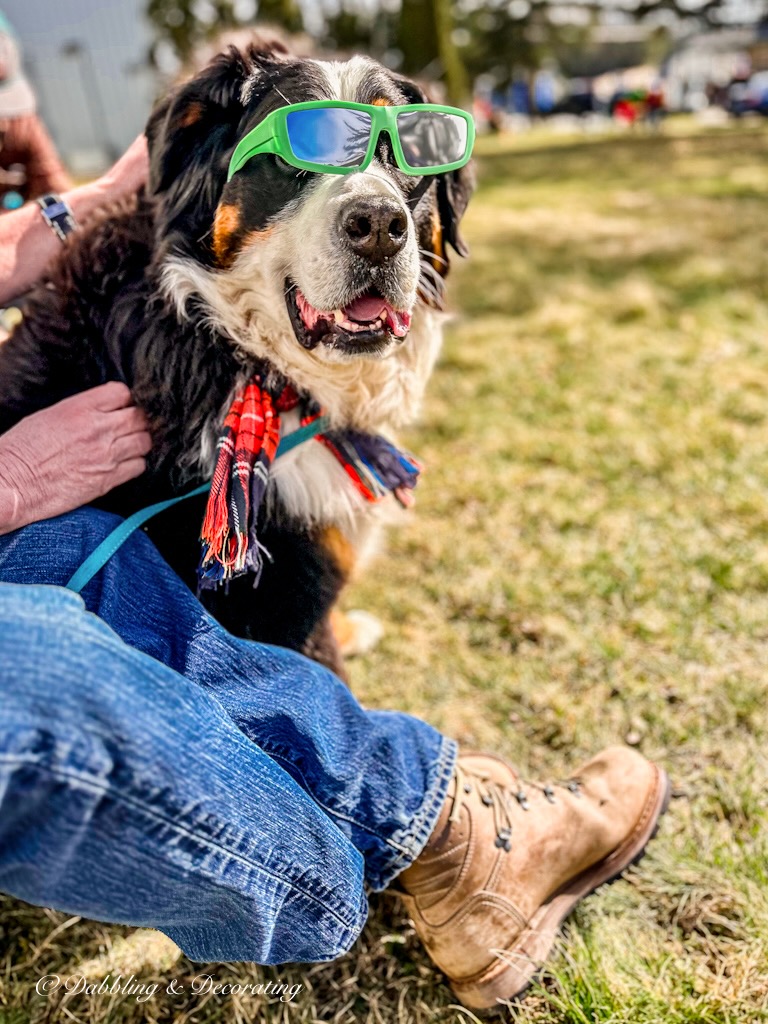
[519, 965]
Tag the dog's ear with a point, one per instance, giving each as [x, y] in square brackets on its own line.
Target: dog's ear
[192, 132]
[412, 91]
[454, 190]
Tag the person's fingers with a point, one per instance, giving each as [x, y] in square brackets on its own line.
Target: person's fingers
[126, 471]
[130, 446]
[109, 397]
[127, 421]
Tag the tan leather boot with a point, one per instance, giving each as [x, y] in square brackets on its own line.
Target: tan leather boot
[509, 860]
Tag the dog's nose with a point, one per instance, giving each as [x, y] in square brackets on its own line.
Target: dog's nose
[375, 228]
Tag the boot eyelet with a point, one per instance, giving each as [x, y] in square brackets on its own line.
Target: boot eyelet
[503, 840]
[549, 793]
[522, 799]
[573, 787]
[467, 788]
[487, 800]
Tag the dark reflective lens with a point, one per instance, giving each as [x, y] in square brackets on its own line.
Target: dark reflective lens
[430, 138]
[329, 135]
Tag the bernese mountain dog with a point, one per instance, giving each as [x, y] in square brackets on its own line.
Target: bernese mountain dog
[198, 283]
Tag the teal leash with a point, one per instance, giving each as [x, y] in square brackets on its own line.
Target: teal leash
[99, 557]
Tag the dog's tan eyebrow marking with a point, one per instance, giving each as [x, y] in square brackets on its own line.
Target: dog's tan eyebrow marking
[192, 114]
[381, 101]
[226, 222]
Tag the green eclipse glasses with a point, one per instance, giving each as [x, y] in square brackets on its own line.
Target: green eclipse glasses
[335, 137]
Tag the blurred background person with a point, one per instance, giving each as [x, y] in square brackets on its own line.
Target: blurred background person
[29, 163]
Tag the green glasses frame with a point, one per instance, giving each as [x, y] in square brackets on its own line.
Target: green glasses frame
[271, 136]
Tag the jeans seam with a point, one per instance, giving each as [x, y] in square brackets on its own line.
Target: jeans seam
[175, 826]
[423, 824]
[329, 810]
[420, 828]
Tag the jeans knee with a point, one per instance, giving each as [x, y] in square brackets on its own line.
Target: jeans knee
[51, 550]
[84, 528]
[21, 604]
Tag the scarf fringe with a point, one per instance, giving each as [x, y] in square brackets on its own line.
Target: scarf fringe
[374, 465]
[246, 450]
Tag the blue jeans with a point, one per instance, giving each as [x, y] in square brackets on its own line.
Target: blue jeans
[156, 771]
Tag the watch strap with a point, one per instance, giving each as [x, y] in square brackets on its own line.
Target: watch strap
[57, 215]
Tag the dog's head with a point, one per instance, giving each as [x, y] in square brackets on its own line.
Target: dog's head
[331, 265]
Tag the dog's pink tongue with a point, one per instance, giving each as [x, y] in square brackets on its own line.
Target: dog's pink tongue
[365, 308]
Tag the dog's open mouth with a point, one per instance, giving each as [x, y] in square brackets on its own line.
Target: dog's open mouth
[367, 326]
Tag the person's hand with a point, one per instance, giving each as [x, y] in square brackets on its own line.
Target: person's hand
[130, 172]
[27, 245]
[70, 454]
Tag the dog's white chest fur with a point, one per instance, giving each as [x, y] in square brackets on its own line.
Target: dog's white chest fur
[312, 485]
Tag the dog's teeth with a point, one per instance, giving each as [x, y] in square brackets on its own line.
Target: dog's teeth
[338, 316]
[355, 327]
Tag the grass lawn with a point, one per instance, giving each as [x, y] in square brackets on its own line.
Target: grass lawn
[588, 563]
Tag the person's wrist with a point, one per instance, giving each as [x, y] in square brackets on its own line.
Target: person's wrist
[130, 172]
[122, 179]
[86, 199]
[107, 187]
[58, 214]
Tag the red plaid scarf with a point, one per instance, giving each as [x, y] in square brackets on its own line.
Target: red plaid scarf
[246, 450]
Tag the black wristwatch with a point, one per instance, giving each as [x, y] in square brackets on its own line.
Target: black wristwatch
[57, 215]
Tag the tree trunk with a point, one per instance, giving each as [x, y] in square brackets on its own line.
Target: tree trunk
[425, 38]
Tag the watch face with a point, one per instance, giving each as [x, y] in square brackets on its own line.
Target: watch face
[57, 214]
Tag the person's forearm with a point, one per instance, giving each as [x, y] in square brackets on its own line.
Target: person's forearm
[27, 244]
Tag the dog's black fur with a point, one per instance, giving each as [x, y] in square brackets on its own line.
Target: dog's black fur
[100, 315]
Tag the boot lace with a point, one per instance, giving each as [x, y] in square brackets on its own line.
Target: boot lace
[502, 799]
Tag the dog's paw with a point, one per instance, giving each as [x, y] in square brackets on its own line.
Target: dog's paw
[143, 949]
[356, 632]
